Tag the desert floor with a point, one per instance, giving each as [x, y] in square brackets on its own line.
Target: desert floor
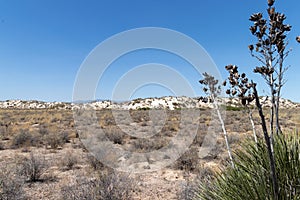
[43, 155]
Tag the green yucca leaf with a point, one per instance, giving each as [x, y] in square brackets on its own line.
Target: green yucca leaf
[250, 179]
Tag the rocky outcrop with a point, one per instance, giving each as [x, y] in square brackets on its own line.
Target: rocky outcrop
[171, 103]
[19, 104]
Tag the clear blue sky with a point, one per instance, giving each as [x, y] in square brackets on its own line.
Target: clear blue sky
[44, 42]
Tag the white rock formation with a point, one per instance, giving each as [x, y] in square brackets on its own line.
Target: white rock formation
[171, 103]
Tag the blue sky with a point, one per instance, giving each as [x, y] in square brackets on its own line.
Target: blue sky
[44, 42]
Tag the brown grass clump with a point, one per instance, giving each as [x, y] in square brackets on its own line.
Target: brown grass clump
[33, 168]
[107, 186]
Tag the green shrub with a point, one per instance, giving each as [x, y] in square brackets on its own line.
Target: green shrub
[232, 108]
[250, 179]
[143, 108]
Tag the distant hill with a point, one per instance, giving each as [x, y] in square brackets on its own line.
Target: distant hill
[170, 103]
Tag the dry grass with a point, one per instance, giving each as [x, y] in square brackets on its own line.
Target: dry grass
[47, 140]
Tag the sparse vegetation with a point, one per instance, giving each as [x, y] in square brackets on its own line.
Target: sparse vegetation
[1, 146]
[11, 185]
[189, 161]
[94, 163]
[108, 186]
[25, 139]
[69, 160]
[144, 108]
[54, 140]
[87, 166]
[32, 168]
[115, 134]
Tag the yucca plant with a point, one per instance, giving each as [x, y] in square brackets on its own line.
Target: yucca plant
[212, 89]
[250, 179]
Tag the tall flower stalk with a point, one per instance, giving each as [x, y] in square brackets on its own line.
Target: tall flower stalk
[212, 89]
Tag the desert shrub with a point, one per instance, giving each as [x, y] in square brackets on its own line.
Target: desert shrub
[55, 140]
[25, 139]
[187, 192]
[188, 161]
[234, 139]
[146, 145]
[115, 135]
[250, 179]
[143, 108]
[2, 146]
[11, 185]
[64, 137]
[108, 186]
[33, 168]
[201, 133]
[69, 160]
[189, 187]
[94, 163]
[43, 130]
[3, 131]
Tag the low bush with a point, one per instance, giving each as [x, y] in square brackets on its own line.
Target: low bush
[11, 185]
[54, 140]
[69, 160]
[25, 139]
[108, 186]
[2, 147]
[94, 163]
[147, 145]
[188, 161]
[187, 192]
[144, 108]
[116, 136]
[32, 168]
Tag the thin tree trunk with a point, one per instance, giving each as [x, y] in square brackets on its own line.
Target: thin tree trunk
[269, 145]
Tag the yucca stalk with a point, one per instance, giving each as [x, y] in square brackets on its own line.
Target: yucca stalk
[212, 89]
[270, 51]
[241, 87]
